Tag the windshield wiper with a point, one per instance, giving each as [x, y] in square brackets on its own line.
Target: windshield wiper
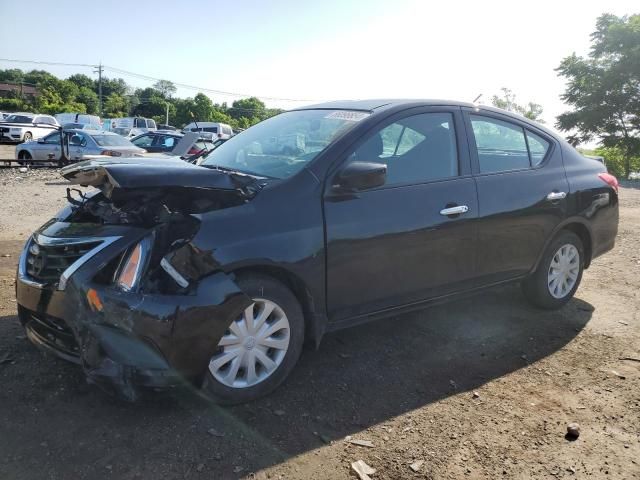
[235, 170]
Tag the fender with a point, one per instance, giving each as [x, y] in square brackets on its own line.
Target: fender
[556, 230]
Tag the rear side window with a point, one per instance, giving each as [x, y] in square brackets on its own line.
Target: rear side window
[151, 123]
[504, 146]
[538, 148]
[416, 149]
[140, 123]
[143, 141]
[501, 145]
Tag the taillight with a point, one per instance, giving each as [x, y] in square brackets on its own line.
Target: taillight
[111, 153]
[609, 180]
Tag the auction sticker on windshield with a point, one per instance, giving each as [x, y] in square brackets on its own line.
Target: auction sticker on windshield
[348, 115]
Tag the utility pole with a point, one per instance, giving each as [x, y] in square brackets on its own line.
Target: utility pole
[99, 72]
[166, 122]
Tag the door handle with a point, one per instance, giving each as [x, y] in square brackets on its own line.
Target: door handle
[454, 210]
[556, 196]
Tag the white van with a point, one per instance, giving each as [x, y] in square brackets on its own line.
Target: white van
[130, 126]
[84, 118]
[210, 130]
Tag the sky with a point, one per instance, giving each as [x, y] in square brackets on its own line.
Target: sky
[314, 51]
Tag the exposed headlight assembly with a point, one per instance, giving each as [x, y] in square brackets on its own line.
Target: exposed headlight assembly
[134, 265]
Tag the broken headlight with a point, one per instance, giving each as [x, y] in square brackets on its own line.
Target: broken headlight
[133, 267]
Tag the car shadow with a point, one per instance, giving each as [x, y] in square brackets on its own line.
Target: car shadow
[358, 378]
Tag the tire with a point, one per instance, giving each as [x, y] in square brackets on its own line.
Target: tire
[28, 136]
[546, 287]
[23, 158]
[244, 387]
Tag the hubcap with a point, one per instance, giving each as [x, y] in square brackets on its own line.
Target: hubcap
[563, 271]
[253, 346]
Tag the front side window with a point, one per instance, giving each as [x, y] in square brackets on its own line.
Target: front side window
[416, 149]
[151, 123]
[168, 142]
[282, 145]
[143, 142]
[140, 123]
[501, 145]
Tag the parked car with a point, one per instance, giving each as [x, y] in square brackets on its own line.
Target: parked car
[130, 126]
[218, 273]
[81, 126]
[23, 127]
[165, 141]
[210, 130]
[80, 118]
[81, 144]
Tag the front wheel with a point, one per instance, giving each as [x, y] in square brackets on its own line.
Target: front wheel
[558, 275]
[24, 158]
[260, 347]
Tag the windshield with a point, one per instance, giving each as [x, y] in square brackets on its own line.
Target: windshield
[282, 145]
[111, 141]
[19, 119]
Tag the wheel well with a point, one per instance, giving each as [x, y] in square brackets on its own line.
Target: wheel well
[581, 231]
[297, 287]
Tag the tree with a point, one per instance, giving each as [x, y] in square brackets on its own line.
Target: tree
[82, 81]
[507, 101]
[248, 108]
[604, 88]
[165, 88]
[115, 106]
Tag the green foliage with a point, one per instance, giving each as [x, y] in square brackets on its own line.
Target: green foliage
[616, 159]
[79, 93]
[604, 89]
[507, 101]
[165, 88]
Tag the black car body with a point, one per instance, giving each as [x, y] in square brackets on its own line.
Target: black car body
[362, 230]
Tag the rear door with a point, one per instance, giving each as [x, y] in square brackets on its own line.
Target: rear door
[395, 245]
[521, 192]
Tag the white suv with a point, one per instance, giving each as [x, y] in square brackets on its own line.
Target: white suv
[22, 127]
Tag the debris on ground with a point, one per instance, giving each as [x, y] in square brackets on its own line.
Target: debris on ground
[363, 470]
[361, 443]
[279, 413]
[6, 358]
[476, 395]
[573, 431]
[215, 433]
[619, 375]
[630, 359]
[415, 466]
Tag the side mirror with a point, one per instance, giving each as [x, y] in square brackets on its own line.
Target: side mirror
[360, 176]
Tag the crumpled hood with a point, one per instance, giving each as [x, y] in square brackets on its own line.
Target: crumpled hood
[144, 172]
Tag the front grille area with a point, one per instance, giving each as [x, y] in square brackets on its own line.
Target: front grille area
[4, 129]
[51, 332]
[46, 263]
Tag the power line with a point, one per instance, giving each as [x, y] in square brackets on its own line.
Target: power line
[203, 89]
[156, 79]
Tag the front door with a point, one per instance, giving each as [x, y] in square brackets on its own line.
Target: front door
[402, 243]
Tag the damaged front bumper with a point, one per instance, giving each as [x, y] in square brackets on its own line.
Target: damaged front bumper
[123, 340]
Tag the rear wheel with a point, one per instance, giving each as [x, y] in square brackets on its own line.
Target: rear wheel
[559, 273]
[260, 347]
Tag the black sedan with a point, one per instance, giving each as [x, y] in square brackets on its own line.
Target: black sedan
[313, 220]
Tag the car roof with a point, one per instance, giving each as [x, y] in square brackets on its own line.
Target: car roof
[381, 103]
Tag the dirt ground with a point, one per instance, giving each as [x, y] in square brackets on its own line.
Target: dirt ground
[480, 388]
